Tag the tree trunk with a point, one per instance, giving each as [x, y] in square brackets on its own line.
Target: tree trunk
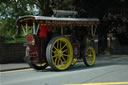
[45, 9]
[102, 44]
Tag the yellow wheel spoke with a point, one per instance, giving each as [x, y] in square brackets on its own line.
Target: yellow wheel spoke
[53, 51]
[89, 55]
[63, 47]
[60, 44]
[55, 47]
[63, 59]
[65, 50]
[57, 44]
[54, 56]
[66, 55]
[56, 60]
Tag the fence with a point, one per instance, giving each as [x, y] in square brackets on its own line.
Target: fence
[10, 53]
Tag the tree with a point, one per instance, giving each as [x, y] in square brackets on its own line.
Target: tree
[46, 6]
[12, 9]
[101, 8]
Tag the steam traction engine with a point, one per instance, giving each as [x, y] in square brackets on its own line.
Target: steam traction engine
[71, 38]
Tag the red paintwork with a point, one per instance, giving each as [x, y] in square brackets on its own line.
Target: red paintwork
[29, 38]
[33, 51]
[43, 31]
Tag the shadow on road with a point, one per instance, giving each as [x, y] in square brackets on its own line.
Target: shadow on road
[101, 62]
[81, 66]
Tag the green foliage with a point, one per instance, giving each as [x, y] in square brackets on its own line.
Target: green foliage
[10, 10]
[62, 4]
[20, 39]
[15, 8]
[8, 27]
[9, 31]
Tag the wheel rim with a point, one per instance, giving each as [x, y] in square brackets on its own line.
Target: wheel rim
[61, 53]
[90, 56]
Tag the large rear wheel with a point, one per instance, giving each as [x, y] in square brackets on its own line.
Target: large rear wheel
[59, 53]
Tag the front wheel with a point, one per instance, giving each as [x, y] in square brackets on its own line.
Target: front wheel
[89, 56]
[59, 53]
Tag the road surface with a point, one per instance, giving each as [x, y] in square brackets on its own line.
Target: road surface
[107, 71]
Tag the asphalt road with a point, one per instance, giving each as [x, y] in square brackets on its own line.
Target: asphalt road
[107, 71]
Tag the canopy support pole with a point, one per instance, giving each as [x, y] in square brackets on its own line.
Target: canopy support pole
[93, 30]
[24, 30]
[34, 28]
[62, 31]
[37, 28]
